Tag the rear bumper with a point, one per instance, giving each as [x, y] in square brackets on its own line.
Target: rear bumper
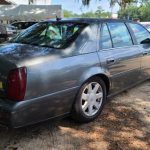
[19, 114]
[6, 109]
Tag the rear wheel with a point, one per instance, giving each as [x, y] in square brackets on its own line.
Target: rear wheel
[90, 100]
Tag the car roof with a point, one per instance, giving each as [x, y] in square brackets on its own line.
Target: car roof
[89, 20]
[3, 25]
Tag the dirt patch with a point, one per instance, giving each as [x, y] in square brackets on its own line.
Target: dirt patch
[123, 125]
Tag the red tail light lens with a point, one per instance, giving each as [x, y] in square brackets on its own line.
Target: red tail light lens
[16, 84]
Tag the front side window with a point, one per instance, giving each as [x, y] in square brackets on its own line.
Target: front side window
[105, 38]
[120, 34]
[140, 32]
[50, 34]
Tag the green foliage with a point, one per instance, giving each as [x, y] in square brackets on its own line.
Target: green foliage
[99, 13]
[122, 3]
[68, 14]
[96, 14]
[133, 12]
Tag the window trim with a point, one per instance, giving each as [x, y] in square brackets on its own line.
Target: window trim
[110, 35]
[101, 31]
[124, 47]
[131, 33]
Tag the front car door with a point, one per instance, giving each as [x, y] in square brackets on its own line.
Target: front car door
[140, 34]
[119, 55]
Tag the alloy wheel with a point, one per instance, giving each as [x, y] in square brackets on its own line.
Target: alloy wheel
[91, 99]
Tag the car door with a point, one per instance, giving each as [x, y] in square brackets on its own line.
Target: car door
[119, 56]
[140, 34]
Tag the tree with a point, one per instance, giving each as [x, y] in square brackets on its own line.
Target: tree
[99, 13]
[30, 2]
[86, 2]
[132, 12]
[68, 14]
[122, 3]
[145, 12]
[127, 11]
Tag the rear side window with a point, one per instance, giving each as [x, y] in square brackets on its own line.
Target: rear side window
[140, 32]
[105, 38]
[57, 35]
[120, 34]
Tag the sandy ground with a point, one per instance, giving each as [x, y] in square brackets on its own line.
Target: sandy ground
[123, 125]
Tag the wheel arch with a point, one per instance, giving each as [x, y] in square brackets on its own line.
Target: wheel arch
[105, 79]
[77, 112]
[96, 72]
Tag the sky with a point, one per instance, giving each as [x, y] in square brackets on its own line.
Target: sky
[76, 6]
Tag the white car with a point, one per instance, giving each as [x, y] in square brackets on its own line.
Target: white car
[146, 24]
[148, 28]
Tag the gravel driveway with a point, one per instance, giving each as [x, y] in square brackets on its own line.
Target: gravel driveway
[123, 125]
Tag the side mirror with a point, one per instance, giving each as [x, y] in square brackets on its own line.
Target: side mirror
[146, 41]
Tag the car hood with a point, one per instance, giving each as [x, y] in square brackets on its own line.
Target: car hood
[17, 52]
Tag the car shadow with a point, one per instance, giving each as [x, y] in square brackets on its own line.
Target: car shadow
[120, 126]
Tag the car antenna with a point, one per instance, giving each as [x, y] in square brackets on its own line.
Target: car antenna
[57, 18]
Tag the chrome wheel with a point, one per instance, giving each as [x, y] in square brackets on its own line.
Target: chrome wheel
[91, 98]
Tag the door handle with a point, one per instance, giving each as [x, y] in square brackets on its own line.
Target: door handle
[110, 60]
[145, 53]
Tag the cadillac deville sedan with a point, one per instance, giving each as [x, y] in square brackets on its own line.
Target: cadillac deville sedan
[69, 67]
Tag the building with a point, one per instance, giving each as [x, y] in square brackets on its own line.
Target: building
[31, 2]
[5, 2]
[19, 10]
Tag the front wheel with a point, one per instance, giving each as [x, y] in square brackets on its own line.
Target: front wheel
[90, 100]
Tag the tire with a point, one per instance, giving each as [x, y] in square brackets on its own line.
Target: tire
[90, 100]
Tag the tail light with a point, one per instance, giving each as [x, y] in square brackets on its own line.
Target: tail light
[16, 84]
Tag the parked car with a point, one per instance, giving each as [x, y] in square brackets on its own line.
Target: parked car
[22, 25]
[148, 27]
[146, 24]
[70, 67]
[7, 32]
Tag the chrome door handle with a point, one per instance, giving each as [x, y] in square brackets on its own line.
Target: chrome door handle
[145, 53]
[110, 60]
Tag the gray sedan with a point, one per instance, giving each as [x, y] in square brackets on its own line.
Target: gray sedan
[69, 67]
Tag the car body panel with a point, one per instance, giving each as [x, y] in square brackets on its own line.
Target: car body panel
[126, 66]
[145, 64]
[145, 54]
[126, 63]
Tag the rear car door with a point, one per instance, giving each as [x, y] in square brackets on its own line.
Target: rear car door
[119, 56]
[140, 34]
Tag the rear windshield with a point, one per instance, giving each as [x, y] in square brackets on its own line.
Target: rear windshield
[54, 35]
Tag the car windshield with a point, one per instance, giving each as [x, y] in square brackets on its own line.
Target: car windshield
[50, 34]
